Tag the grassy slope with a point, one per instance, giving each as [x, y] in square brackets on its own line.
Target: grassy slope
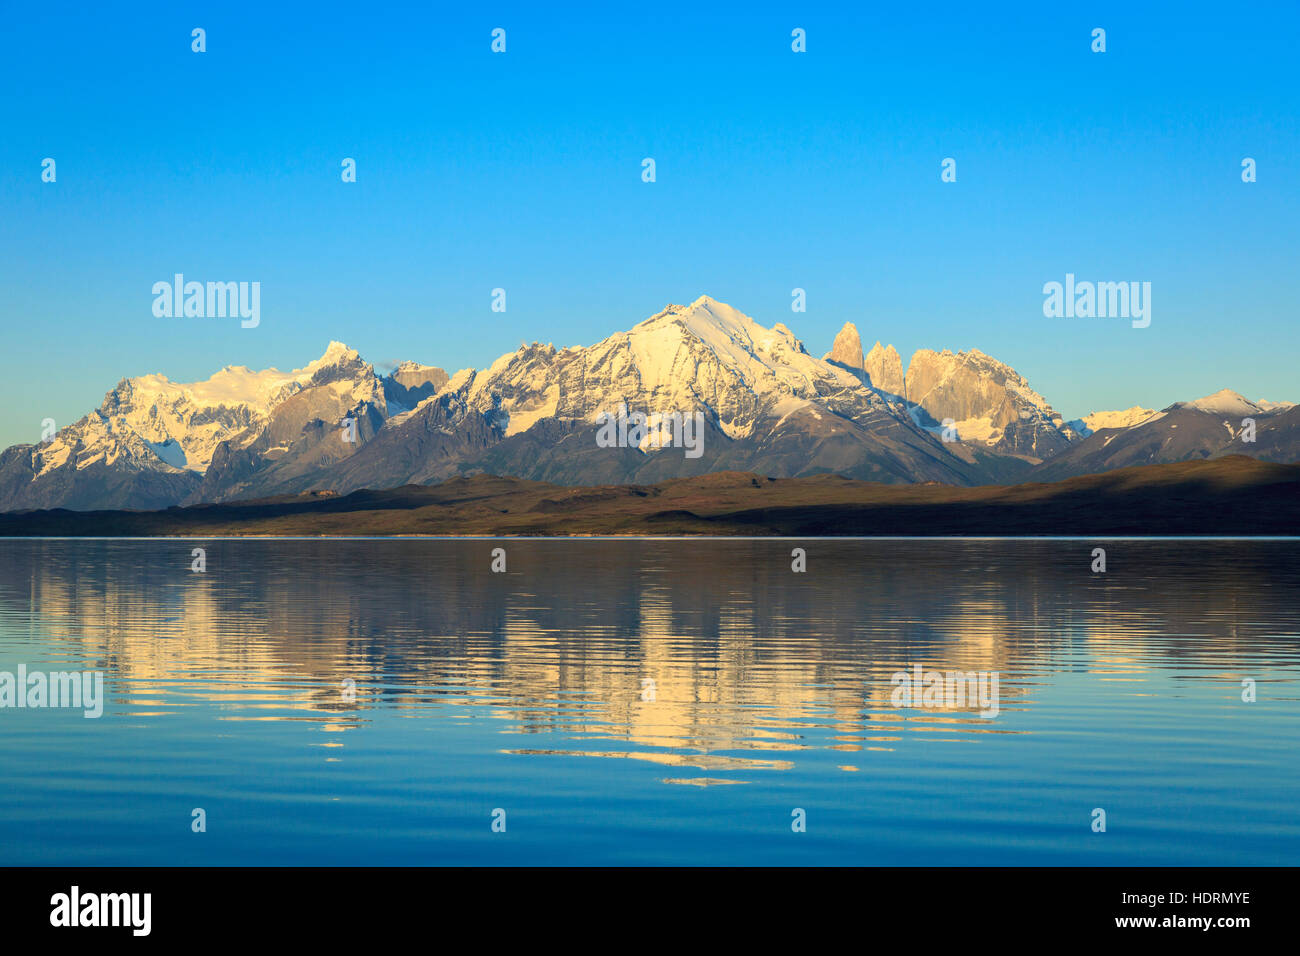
[1233, 495]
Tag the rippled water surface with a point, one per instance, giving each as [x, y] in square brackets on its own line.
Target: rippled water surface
[669, 701]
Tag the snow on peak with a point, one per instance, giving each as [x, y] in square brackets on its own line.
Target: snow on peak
[1096, 421]
[702, 356]
[1224, 402]
[156, 423]
[736, 341]
[708, 301]
[707, 317]
[335, 354]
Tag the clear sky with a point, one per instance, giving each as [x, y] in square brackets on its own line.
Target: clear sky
[522, 170]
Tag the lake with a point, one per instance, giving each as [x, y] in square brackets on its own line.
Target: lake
[397, 702]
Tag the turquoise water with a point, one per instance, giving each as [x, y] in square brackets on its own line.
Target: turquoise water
[525, 691]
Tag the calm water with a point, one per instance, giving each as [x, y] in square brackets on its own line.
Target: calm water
[771, 691]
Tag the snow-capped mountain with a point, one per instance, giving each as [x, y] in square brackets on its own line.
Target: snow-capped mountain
[152, 441]
[1223, 402]
[766, 404]
[1224, 423]
[335, 410]
[1228, 402]
[705, 355]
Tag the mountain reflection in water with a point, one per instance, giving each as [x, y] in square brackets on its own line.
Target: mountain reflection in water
[373, 701]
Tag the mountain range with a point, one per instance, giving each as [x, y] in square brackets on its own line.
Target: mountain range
[769, 407]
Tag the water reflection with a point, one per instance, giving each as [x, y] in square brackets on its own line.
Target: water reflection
[698, 646]
[709, 661]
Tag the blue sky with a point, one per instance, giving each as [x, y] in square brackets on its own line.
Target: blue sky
[522, 170]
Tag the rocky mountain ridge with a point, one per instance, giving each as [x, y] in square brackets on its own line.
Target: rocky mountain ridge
[765, 403]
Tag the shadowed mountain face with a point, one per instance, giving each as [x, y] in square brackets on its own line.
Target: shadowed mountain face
[410, 383]
[94, 485]
[299, 441]
[877, 446]
[757, 400]
[1234, 495]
